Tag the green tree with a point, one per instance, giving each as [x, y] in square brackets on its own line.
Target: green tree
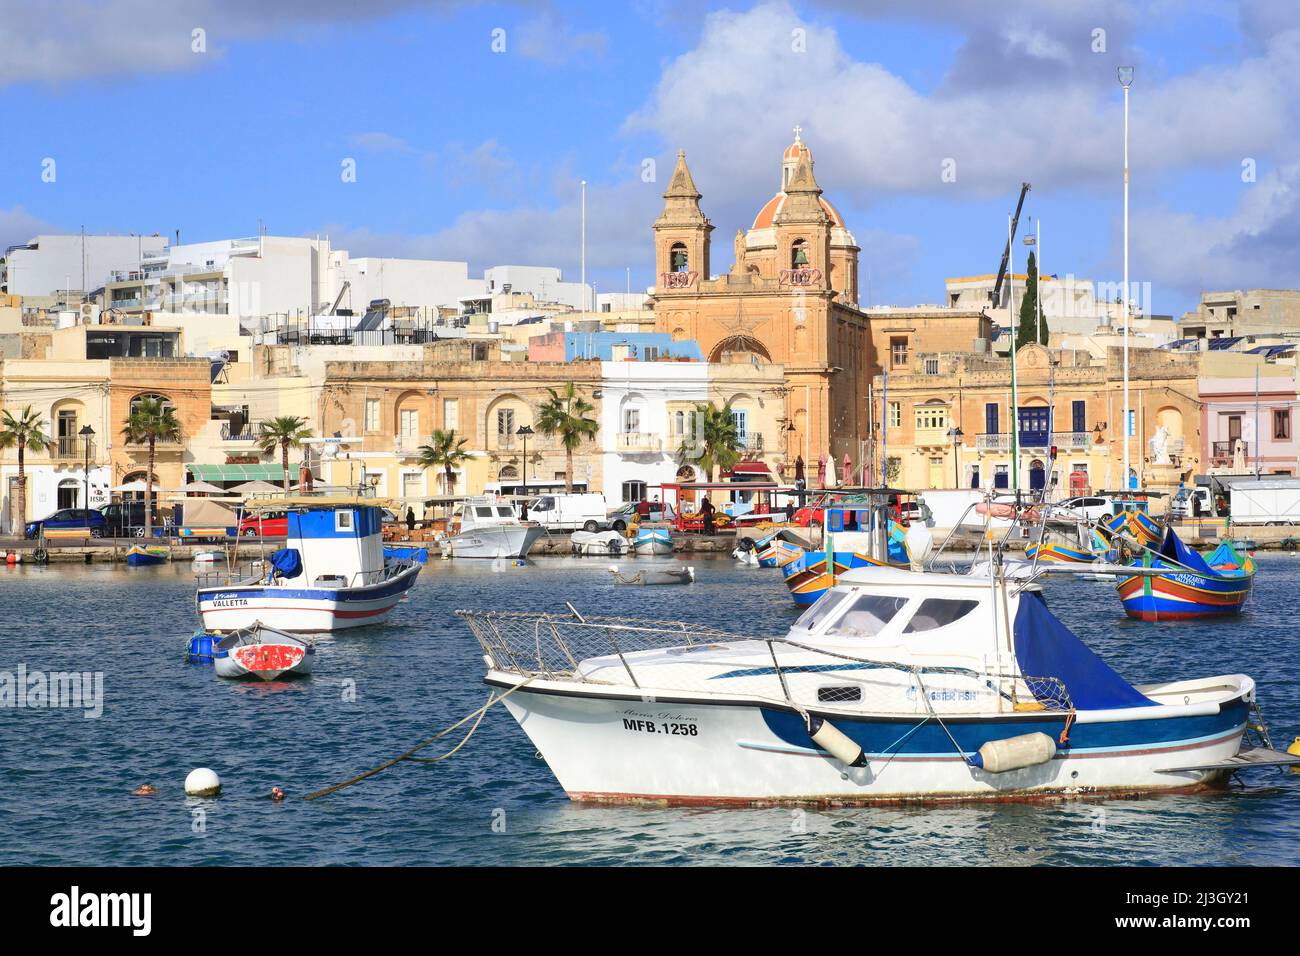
[565, 414]
[444, 451]
[26, 430]
[151, 420]
[1031, 327]
[283, 432]
[713, 441]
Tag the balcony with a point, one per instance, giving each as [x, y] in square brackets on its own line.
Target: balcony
[639, 442]
[1221, 451]
[750, 441]
[1001, 441]
[159, 445]
[931, 437]
[250, 433]
[69, 448]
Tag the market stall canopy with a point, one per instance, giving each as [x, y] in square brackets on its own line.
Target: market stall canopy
[255, 488]
[254, 472]
[203, 488]
[136, 485]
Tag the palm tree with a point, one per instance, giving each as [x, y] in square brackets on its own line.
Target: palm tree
[444, 451]
[713, 441]
[284, 432]
[27, 430]
[565, 414]
[151, 420]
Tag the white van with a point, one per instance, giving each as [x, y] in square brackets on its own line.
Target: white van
[563, 512]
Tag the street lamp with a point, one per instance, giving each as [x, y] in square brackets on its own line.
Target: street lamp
[87, 433]
[1125, 74]
[523, 432]
[956, 434]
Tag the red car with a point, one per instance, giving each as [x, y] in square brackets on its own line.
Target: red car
[814, 515]
[271, 524]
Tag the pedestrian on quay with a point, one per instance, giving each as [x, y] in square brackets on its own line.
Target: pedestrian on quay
[707, 509]
[410, 519]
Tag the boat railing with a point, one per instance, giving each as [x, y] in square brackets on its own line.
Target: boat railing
[240, 575]
[611, 651]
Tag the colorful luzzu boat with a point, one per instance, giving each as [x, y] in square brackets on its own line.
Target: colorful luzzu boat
[332, 574]
[896, 686]
[1053, 551]
[1138, 525]
[777, 553]
[808, 575]
[807, 578]
[1186, 585]
[143, 555]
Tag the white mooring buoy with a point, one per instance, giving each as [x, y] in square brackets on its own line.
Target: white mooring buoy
[202, 782]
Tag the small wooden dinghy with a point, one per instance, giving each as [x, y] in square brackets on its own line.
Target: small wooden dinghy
[653, 541]
[264, 652]
[598, 543]
[654, 576]
[139, 555]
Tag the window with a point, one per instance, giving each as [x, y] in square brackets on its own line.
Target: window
[821, 609]
[372, 414]
[1282, 423]
[343, 521]
[867, 616]
[450, 413]
[478, 352]
[991, 424]
[651, 353]
[839, 695]
[632, 420]
[932, 366]
[409, 421]
[898, 352]
[740, 418]
[931, 416]
[634, 491]
[895, 416]
[679, 423]
[935, 613]
[505, 423]
[1079, 416]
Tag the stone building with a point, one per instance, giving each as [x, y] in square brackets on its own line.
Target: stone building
[947, 422]
[1253, 312]
[791, 298]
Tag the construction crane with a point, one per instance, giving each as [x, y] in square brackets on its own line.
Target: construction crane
[996, 296]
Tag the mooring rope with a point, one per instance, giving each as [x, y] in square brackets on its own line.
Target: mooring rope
[476, 715]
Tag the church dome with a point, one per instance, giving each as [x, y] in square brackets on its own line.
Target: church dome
[789, 162]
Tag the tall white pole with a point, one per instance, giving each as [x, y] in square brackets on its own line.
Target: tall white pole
[1124, 296]
[583, 253]
[1038, 280]
[1015, 333]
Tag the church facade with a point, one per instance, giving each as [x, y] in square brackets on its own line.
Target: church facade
[791, 298]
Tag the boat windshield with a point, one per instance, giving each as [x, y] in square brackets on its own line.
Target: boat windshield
[822, 609]
[938, 612]
[867, 616]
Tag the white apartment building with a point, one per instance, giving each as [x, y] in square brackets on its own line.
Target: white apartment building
[645, 409]
[544, 283]
[48, 264]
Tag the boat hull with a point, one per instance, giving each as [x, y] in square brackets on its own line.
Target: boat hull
[1059, 552]
[652, 546]
[303, 609]
[661, 750]
[807, 578]
[264, 661]
[138, 557]
[1181, 596]
[501, 541]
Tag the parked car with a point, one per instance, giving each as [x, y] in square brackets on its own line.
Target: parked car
[67, 518]
[620, 518]
[1092, 508]
[269, 524]
[125, 519]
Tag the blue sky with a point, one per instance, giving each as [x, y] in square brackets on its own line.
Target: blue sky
[463, 152]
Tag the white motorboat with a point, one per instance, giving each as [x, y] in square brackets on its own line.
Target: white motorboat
[490, 528]
[262, 652]
[895, 686]
[330, 575]
[599, 543]
[211, 556]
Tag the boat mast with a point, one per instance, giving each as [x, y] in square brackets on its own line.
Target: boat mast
[1015, 332]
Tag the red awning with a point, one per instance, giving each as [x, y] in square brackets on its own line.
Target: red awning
[749, 468]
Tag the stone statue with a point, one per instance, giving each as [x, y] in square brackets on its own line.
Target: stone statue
[739, 267]
[1160, 446]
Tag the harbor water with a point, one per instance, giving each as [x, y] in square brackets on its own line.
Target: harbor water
[66, 779]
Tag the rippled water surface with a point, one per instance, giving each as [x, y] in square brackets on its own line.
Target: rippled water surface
[66, 782]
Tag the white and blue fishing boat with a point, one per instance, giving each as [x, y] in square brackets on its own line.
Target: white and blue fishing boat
[653, 541]
[895, 686]
[332, 574]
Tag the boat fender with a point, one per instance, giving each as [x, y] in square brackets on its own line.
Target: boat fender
[829, 737]
[1294, 750]
[1014, 753]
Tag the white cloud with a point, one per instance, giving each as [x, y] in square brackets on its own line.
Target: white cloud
[548, 39]
[18, 225]
[379, 142]
[1254, 246]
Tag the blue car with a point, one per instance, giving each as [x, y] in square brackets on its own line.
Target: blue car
[68, 518]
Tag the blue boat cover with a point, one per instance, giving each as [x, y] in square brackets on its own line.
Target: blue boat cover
[1174, 549]
[288, 562]
[1047, 648]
